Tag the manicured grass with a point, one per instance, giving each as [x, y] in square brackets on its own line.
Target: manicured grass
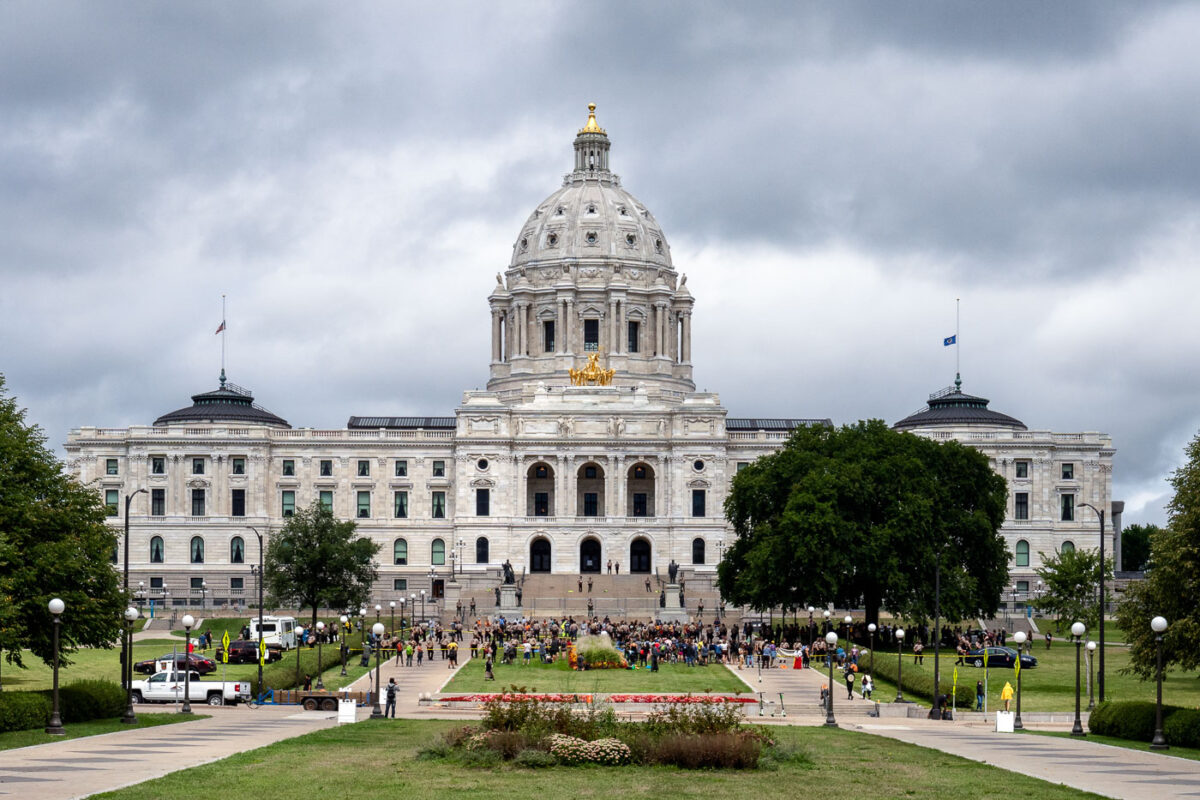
[218, 625]
[1179, 752]
[1051, 685]
[378, 758]
[559, 677]
[94, 727]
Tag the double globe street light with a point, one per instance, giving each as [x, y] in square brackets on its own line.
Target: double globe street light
[342, 649]
[1078, 629]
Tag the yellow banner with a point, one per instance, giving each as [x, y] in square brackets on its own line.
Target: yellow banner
[225, 648]
[262, 651]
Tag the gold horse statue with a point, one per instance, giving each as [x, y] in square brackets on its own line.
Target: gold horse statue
[592, 374]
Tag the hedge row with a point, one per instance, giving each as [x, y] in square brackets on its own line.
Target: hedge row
[920, 684]
[1134, 720]
[77, 702]
[282, 674]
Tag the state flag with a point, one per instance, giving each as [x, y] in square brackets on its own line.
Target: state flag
[949, 340]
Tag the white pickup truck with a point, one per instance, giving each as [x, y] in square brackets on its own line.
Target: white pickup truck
[168, 687]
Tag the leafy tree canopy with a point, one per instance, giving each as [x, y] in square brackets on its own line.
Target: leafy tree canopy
[860, 514]
[55, 543]
[1135, 546]
[317, 560]
[1070, 579]
[1172, 586]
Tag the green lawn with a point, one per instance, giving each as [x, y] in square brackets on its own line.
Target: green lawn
[1051, 685]
[1179, 752]
[378, 758]
[559, 677]
[77, 730]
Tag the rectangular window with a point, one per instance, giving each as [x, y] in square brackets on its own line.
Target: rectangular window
[591, 335]
[439, 469]
[288, 506]
[639, 504]
[634, 330]
[401, 469]
[326, 468]
[548, 336]
[289, 467]
[156, 583]
[400, 501]
[742, 465]
[364, 468]
[1067, 503]
[1022, 587]
[1022, 469]
[326, 498]
[158, 465]
[439, 505]
[541, 504]
[239, 466]
[197, 502]
[197, 466]
[111, 501]
[1021, 505]
[197, 583]
[1068, 472]
[110, 466]
[400, 584]
[698, 502]
[364, 505]
[237, 584]
[483, 502]
[237, 503]
[158, 502]
[591, 503]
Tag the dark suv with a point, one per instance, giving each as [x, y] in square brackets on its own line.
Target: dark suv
[197, 662]
[245, 651]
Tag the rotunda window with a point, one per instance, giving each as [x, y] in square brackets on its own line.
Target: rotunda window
[621, 211]
[552, 239]
[524, 244]
[630, 239]
[482, 464]
[591, 209]
[658, 245]
[591, 237]
[698, 465]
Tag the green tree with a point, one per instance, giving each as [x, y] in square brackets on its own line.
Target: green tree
[865, 513]
[1172, 585]
[1135, 546]
[57, 545]
[317, 560]
[1071, 581]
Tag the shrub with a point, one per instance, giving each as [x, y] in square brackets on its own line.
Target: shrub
[1125, 720]
[90, 699]
[739, 750]
[780, 754]
[695, 718]
[480, 757]
[21, 711]
[598, 652]
[1182, 728]
[570, 750]
[282, 674]
[920, 684]
[534, 759]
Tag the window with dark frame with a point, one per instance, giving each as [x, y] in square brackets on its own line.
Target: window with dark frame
[591, 504]
[237, 584]
[401, 469]
[288, 503]
[111, 466]
[158, 465]
[400, 505]
[548, 336]
[326, 468]
[541, 504]
[697, 551]
[156, 555]
[112, 500]
[1021, 505]
[483, 502]
[591, 335]
[364, 505]
[400, 552]
[239, 466]
[1067, 507]
[439, 469]
[1022, 553]
[634, 329]
[197, 551]
[326, 499]
[1068, 472]
[237, 500]
[364, 468]
[158, 502]
[639, 504]
[197, 466]
[289, 468]
[1022, 469]
[197, 502]
[439, 505]
[698, 498]
[400, 584]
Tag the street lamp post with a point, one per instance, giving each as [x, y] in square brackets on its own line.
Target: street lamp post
[422, 606]
[342, 649]
[1019, 638]
[936, 712]
[1158, 625]
[899, 665]
[362, 626]
[1100, 633]
[55, 728]
[830, 641]
[203, 593]
[871, 630]
[402, 617]
[1077, 631]
[260, 575]
[1091, 646]
[392, 606]
[127, 641]
[320, 633]
[377, 629]
[129, 718]
[188, 622]
[141, 596]
[299, 641]
[811, 631]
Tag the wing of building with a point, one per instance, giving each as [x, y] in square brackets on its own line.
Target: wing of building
[590, 450]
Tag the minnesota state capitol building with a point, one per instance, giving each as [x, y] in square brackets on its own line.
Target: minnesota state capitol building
[590, 447]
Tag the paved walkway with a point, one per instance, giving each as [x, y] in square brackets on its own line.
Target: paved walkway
[413, 681]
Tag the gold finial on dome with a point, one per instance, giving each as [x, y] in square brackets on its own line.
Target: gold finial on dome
[591, 126]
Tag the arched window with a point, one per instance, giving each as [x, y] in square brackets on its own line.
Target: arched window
[237, 551]
[156, 550]
[438, 552]
[1067, 547]
[197, 550]
[697, 551]
[481, 550]
[1022, 553]
[400, 553]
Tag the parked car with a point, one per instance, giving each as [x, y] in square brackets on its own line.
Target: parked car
[245, 651]
[1000, 657]
[197, 663]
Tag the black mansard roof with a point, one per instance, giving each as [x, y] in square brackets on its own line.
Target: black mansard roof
[951, 407]
[755, 424]
[228, 403]
[402, 423]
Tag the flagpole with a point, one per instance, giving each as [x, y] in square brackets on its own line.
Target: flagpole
[223, 334]
[957, 343]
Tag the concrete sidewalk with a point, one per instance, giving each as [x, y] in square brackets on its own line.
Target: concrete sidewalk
[413, 681]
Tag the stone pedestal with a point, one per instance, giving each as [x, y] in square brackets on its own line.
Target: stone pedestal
[508, 599]
[672, 610]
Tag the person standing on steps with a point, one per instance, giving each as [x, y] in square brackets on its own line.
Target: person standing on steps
[616, 565]
[610, 566]
[581, 584]
[589, 584]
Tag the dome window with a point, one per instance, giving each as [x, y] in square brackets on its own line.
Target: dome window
[622, 212]
[552, 239]
[630, 239]
[524, 244]
[559, 211]
[658, 245]
[591, 237]
[591, 209]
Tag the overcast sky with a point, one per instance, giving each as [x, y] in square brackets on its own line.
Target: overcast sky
[353, 176]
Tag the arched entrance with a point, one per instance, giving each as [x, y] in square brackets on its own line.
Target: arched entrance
[639, 556]
[539, 555]
[589, 555]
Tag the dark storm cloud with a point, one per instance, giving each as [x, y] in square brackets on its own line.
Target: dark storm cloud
[354, 177]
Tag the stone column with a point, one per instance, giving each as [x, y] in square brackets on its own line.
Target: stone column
[621, 480]
[622, 329]
[560, 335]
[495, 335]
[569, 329]
[612, 326]
[687, 338]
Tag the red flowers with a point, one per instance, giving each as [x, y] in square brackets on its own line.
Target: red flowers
[517, 698]
[678, 698]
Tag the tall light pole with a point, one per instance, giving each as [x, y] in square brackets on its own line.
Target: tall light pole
[320, 634]
[342, 649]
[127, 641]
[1091, 647]
[937, 636]
[203, 593]
[362, 626]
[1019, 638]
[422, 606]
[260, 606]
[129, 718]
[392, 606]
[812, 635]
[401, 617]
[1158, 625]
[377, 629]
[871, 630]
[188, 622]
[299, 639]
[1100, 637]
[899, 665]
[1077, 631]
[830, 641]
[55, 728]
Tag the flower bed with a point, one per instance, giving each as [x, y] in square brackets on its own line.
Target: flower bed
[517, 698]
[679, 698]
[570, 750]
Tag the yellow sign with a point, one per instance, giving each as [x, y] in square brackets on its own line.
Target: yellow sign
[956, 679]
[262, 651]
[225, 648]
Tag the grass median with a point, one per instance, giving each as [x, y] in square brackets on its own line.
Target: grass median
[559, 677]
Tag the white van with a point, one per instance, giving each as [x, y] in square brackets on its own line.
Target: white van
[275, 630]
